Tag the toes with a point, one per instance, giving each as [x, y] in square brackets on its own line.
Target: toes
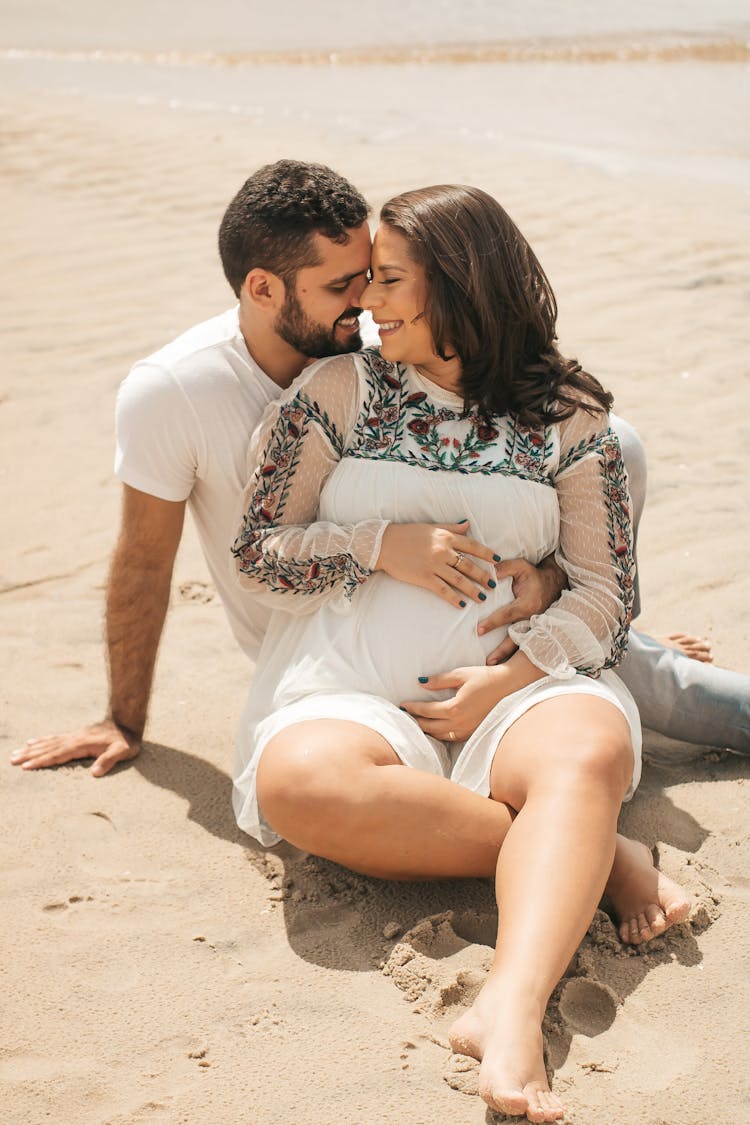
[656, 920]
[630, 930]
[543, 1105]
[513, 1102]
[677, 910]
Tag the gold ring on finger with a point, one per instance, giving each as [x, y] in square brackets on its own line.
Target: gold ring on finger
[460, 556]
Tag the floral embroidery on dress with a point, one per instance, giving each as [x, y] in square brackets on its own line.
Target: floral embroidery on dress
[273, 482]
[400, 424]
[620, 537]
[606, 447]
[529, 449]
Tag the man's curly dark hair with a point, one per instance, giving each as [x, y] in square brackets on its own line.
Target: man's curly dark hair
[271, 220]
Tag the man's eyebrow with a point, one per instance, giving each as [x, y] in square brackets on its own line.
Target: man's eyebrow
[384, 266]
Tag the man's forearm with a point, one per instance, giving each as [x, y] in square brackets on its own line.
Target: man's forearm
[137, 601]
[556, 580]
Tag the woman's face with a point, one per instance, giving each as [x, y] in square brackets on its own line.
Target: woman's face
[396, 298]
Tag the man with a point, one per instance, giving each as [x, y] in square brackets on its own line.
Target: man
[295, 248]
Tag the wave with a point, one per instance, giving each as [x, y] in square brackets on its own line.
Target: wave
[660, 49]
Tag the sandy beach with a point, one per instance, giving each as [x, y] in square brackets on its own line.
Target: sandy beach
[159, 967]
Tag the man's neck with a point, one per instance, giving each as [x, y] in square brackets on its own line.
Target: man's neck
[277, 359]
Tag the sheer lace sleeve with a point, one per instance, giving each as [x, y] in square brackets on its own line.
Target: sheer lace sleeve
[282, 552]
[586, 629]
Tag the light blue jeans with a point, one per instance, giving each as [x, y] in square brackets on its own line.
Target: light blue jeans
[676, 696]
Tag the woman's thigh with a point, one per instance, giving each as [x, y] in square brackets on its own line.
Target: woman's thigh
[568, 738]
[320, 757]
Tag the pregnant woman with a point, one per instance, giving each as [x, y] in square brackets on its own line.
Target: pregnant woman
[468, 413]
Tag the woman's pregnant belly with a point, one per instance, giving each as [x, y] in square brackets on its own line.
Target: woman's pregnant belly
[383, 641]
[391, 632]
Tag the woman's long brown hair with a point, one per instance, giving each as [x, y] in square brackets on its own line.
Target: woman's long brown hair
[490, 303]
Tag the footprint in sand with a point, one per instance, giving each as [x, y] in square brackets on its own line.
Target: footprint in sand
[148, 1113]
[462, 1074]
[200, 592]
[436, 967]
[587, 1007]
[65, 904]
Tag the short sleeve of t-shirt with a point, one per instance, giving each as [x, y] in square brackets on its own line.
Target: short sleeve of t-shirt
[158, 434]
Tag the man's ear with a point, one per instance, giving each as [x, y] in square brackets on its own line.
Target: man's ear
[264, 289]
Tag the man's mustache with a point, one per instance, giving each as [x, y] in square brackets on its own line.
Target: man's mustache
[348, 313]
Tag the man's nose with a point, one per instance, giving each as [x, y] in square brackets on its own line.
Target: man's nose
[367, 298]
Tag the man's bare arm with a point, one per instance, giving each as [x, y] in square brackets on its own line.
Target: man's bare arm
[137, 601]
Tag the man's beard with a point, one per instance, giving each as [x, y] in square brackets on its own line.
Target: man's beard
[310, 338]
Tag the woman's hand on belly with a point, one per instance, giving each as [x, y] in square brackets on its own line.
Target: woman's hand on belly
[477, 691]
[440, 558]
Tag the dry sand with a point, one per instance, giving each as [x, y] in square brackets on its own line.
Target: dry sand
[159, 967]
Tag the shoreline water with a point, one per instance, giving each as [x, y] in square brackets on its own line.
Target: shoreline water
[652, 119]
[249, 25]
[661, 47]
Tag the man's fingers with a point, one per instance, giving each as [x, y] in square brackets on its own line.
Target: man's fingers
[41, 752]
[110, 758]
[507, 615]
[502, 653]
[513, 568]
[47, 758]
[103, 741]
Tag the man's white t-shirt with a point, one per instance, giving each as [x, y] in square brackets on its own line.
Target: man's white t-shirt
[184, 418]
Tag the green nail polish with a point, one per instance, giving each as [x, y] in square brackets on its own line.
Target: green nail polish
[497, 558]
[462, 605]
[423, 679]
[482, 596]
[492, 583]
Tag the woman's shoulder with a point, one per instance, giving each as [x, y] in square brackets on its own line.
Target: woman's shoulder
[583, 429]
[334, 374]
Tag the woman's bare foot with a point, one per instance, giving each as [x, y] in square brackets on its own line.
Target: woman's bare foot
[695, 648]
[507, 1039]
[645, 901]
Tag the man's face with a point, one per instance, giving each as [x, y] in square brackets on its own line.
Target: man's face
[320, 315]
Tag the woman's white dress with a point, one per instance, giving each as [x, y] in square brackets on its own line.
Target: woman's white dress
[357, 443]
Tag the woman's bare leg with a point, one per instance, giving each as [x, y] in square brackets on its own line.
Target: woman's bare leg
[337, 789]
[565, 766]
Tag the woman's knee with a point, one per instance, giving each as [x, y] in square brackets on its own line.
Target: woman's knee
[313, 774]
[568, 745]
[292, 777]
[603, 759]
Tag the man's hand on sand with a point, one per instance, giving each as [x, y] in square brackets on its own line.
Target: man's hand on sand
[535, 588]
[105, 742]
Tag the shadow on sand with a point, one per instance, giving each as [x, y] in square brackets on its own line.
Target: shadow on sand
[343, 921]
